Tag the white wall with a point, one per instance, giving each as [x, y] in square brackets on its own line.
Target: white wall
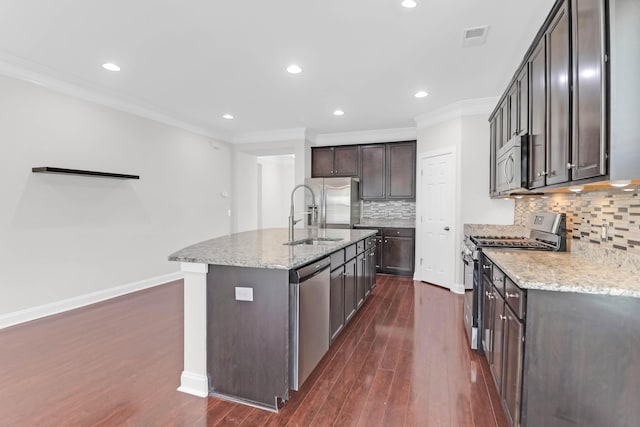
[477, 207]
[245, 184]
[277, 180]
[246, 214]
[66, 236]
[469, 135]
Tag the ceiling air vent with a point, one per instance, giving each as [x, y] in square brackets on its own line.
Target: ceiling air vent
[474, 36]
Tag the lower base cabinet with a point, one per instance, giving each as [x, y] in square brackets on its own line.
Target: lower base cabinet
[351, 283]
[562, 359]
[395, 251]
[336, 302]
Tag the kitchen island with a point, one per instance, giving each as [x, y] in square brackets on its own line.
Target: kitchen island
[239, 310]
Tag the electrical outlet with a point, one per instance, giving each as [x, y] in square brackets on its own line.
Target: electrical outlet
[244, 294]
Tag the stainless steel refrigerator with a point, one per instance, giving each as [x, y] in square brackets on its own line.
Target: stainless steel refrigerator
[337, 199]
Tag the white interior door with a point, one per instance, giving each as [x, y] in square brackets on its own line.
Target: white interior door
[437, 219]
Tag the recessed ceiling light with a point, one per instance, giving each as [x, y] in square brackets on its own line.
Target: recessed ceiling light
[338, 113]
[294, 69]
[110, 66]
[409, 4]
[421, 94]
[227, 116]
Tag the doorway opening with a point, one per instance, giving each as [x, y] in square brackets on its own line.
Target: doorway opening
[276, 179]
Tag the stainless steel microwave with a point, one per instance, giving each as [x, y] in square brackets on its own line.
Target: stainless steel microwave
[512, 164]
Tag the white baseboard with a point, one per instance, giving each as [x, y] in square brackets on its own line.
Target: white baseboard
[457, 289]
[40, 311]
[195, 384]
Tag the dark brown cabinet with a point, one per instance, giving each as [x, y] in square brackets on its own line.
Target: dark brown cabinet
[373, 177]
[589, 90]
[361, 278]
[388, 171]
[336, 302]
[497, 337]
[351, 283]
[558, 96]
[350, 293]
[512, 372]
[504, 124]
[493, 138]
[335, 161]
[503, 336]
[522, 89]
[379, 245]
[488, 307]
[401, 175]
[561, 96]
[398, 251]
[538, 115]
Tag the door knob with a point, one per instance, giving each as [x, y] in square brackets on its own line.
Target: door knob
[446, 229]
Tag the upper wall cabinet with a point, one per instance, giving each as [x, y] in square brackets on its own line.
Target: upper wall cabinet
[388, 171]
[589, 89]
[335, 161]
[373, 177]
[559, 98]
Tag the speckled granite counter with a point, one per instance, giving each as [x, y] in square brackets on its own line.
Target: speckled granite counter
[266, 248]
[495, 230]
[386, 222]
[564, 272]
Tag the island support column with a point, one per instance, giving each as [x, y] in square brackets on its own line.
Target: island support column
[194, 376]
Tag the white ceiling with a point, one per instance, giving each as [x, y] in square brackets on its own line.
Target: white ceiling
[194, 60]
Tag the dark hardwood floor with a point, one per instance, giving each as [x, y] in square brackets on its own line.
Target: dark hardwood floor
[403, 360]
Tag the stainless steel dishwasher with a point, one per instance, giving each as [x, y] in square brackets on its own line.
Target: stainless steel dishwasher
[309, 325]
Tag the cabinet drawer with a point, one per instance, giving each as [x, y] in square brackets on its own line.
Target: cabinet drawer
[337, 259]
[350, 252]
[515, 297]
[398, 232]
[497, 277]
[360, 246]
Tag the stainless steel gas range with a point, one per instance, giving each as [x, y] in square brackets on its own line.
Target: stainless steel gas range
[547, 233]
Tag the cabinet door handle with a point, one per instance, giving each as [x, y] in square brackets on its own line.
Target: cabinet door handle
[512, 295]
[571, 165]
[503, 317]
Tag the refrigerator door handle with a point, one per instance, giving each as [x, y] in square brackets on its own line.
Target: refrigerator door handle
[324, 207]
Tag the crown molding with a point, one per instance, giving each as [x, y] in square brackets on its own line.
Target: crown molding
[467, 107]
[276, 135]
[366, 136]
[21, 69]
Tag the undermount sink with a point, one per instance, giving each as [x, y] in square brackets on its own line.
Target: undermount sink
[313, 241]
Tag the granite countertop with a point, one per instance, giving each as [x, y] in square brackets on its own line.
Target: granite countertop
[266, 248]
[495, 230]
[564, 272]
[386, 222]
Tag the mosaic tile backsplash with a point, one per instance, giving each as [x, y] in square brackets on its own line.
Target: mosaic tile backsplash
[391, 209]
[587, 214]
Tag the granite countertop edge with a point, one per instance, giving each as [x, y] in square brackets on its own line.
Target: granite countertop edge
[224, 251]
[582, 275]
